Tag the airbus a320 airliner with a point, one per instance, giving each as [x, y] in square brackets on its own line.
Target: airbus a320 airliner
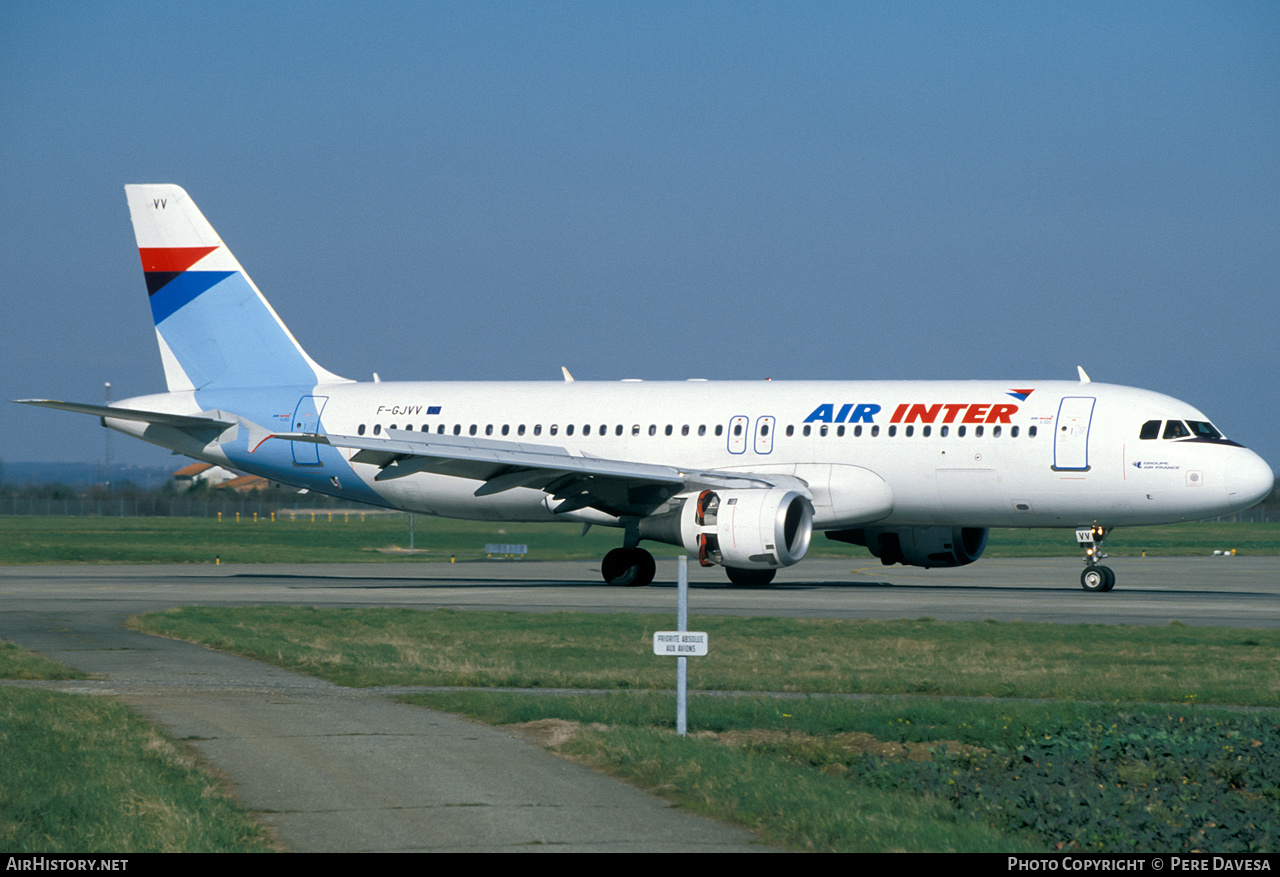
[738, 474]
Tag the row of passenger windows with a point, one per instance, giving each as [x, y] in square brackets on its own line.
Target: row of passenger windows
[807, 429]
[1176, 429]
[553, 429]
[910, 430]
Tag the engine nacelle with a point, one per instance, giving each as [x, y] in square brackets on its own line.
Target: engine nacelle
[918, 546]
[755, 528]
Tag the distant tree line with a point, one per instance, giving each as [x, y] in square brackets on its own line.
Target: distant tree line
[124, 498]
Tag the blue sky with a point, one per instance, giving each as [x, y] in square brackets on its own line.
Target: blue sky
[657, 190]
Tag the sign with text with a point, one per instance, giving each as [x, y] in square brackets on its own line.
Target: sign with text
[680, 643]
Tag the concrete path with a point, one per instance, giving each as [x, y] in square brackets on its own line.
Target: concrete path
[334, 769]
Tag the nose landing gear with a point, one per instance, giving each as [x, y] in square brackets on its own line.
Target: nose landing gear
[1095, 577]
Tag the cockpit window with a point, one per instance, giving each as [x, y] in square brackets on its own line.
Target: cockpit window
[1203, 429]
[1176, 429]
[1150, 430]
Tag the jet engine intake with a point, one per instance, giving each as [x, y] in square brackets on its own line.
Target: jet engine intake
[754, 528]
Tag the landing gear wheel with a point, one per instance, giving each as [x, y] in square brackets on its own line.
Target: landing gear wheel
[750, 578]
[1097, 578]
[628, 566]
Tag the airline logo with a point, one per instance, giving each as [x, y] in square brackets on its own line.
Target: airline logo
[169, 282]
[937, 412]
[953, 412]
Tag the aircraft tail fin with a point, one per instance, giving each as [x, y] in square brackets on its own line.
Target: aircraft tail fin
[214, 326]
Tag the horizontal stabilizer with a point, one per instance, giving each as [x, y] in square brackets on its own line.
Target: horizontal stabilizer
[180, 421]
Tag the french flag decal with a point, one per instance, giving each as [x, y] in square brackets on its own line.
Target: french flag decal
[1021, 395]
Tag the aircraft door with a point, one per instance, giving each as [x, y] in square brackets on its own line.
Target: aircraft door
[1071, 434]
[738, 434]
[764, 434]
[306, 418]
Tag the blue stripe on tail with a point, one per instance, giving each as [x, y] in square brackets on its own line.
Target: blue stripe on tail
[223, 334]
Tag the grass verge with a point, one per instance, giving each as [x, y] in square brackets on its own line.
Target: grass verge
[356, 538]
[363, 647]
[841, 774]
[82, 773]
[85, 774]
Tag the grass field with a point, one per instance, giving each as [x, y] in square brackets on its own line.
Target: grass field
[363, 647]
[84, 774]
[1126, 753]
[1087, 769]
[356, 537]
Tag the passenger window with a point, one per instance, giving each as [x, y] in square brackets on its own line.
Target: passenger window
[488, 430]
[506, 429]
[537, 429]
[360, 429]
[791, 430]
[1150, 430]
[1013, 432]
[875, 430]
[635, 429]
[840, 431]
[1031, 432]
[684, 430]
[568, 430]
[377, 429]
[719, 429]
[893, 430]
[944, 431]
[653, 429]
[520, 429]
[1175, 429]
[960, 432]
[668, 429]
[822, 430]
[553, 429]
[807, 429]
[702, 429]
[977, 432]
[911, 430]
[928, 430]
[857, 431]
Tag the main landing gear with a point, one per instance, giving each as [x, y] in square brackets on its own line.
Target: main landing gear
[635, 567]
[628, 566]
[1095, 577]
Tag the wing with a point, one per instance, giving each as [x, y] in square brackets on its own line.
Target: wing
[616, 487]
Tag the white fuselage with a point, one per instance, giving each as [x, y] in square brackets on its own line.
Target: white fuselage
[910, 453]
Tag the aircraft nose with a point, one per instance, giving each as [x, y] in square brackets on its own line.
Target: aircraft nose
[1249, 479]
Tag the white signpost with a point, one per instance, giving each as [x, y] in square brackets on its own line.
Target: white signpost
[681, 644]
